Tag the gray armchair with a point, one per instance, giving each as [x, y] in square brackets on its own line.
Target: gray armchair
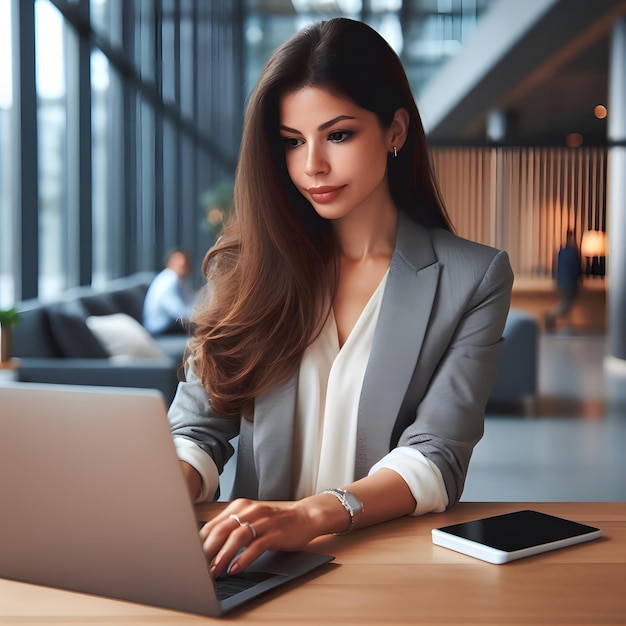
[517, 363]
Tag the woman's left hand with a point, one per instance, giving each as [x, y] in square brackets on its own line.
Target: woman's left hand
[257, 527]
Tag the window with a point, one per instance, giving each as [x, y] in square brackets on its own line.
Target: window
[7, 153]
[118, 117]
[106, 20]
[54, 246]
[107, 201]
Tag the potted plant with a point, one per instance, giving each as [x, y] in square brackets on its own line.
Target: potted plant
[9, 318]
[216, 204]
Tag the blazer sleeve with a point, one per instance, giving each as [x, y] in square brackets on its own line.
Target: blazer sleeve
[450, 416]
[192, 417]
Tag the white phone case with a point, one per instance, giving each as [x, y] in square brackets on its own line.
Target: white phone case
[510, 536]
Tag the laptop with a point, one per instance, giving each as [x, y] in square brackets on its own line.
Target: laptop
[93, 500]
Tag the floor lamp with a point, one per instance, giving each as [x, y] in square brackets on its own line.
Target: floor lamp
[593, 248]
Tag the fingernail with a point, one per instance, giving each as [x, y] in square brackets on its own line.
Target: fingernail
[234, 568]
[212, 571]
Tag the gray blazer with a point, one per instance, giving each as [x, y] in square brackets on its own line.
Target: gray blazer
[429, 375]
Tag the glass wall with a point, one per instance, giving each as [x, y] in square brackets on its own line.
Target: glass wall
[7, 148]
[424, 33]
[106, 187]
[56, 230]
[122, 130]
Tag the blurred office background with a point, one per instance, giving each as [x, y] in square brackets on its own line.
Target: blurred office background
[120, 123]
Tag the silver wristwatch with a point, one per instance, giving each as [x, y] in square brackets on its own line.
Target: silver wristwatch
[350, 503]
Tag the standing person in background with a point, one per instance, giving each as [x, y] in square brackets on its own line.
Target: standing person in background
[568, 273]
[167, 306]
[347, 335]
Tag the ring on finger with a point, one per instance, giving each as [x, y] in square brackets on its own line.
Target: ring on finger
[250, 527]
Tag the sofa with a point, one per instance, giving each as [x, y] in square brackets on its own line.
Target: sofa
[55, 344]
[95, 337]
[517, 363]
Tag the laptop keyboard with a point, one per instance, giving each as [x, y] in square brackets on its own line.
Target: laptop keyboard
[227, 586]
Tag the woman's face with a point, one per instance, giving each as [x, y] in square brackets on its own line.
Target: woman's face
[336, 152]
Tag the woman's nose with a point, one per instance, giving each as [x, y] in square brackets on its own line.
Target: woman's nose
[316, 163]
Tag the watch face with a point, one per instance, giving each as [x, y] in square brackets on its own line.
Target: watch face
[354, 502]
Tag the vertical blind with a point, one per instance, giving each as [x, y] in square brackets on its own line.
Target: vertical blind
[524, 199]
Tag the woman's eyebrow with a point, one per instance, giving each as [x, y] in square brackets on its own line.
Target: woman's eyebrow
[339, 118]
[323, 126]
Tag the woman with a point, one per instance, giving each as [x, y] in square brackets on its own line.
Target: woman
[350, 339]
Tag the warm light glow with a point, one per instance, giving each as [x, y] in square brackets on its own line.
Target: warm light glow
[593, 243]
[215, 216]
[600, 111]
[573, 140]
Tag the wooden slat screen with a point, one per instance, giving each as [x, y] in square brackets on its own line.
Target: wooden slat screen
[523, 200]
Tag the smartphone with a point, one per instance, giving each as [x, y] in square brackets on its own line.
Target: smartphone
[510, 536]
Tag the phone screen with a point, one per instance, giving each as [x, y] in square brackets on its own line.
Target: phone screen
[519, 530]
[511, 536]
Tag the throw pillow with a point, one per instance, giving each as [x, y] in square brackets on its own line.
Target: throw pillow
[124, 336]
[70, 331]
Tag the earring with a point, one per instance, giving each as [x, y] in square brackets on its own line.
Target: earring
[395, 152]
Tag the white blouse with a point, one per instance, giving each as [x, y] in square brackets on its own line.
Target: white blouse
[329, 388]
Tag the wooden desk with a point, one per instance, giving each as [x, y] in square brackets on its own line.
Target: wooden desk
[393, 574]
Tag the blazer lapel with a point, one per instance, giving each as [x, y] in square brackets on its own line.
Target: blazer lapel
[404, 314]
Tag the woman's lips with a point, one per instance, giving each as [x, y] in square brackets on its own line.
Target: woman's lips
[321, 195]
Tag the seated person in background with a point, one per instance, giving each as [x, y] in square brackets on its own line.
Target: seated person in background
[167, 305]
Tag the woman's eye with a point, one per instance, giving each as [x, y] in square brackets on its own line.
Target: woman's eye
[338, 136]
[292, 142]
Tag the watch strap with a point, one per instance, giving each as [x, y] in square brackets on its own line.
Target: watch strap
[342, 495]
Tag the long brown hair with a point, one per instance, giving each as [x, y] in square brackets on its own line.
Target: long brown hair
[272, 274]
